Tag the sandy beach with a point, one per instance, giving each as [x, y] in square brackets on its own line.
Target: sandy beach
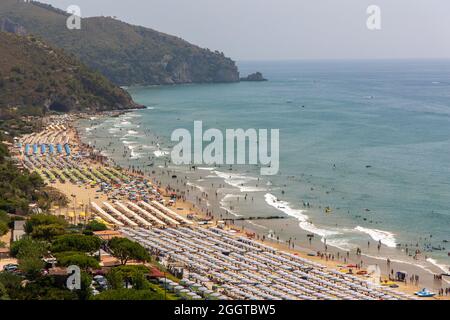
[205, 205]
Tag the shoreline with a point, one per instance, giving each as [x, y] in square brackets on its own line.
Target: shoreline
[161, 176]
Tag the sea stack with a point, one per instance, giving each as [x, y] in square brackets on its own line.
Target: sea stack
[257, 77]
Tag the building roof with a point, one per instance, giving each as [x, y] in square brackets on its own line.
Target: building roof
[19, 225]
[155, 273]
[108, 234]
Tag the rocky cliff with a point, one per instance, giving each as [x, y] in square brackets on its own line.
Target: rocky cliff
[36, 78]
[124, 53]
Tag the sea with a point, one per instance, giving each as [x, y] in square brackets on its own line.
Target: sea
[364, 151]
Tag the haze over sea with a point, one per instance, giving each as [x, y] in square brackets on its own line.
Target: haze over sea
[369, 139]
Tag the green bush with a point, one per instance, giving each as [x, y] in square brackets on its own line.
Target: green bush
[3, 228]
[95, 225]
[76, 242]
[82, 260]
[28, 247]
[47, 227]
[125, 250]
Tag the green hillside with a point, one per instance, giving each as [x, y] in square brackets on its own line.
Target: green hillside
[124, 53]
[36, 78]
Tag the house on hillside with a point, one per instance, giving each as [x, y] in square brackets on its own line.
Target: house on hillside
[19, 230]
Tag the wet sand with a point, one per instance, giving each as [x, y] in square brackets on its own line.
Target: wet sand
[203, 201]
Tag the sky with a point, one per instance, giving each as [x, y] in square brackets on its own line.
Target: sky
[290, 29]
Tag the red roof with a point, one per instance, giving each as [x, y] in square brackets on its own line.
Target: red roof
[155, 273]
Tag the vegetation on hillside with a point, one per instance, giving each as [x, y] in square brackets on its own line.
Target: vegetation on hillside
[73, 247]
[36, 78]
[124, 53]
[17, 189]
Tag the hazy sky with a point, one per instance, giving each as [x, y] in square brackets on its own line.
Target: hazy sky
[290, 29]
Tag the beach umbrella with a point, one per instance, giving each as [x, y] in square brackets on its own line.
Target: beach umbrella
[178, 288]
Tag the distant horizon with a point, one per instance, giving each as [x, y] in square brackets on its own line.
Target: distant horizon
[344, 59]
[279, 30]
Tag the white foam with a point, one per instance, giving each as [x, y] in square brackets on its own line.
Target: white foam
[89, 129]
[257, 225]
[135, 155]
[239, 181]
[160, 153]
[132, 132]
[399, 261]
[113, 130]
[132, 146]
[324, 233]
[443, 267]
[386, 238]
[284, 207]
[342, 244]
[223, 204]
[300, 215]
[206, 169]
[124, 123]
[196, 186]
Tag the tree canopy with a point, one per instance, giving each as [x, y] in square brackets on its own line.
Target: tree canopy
[43, 226]
[79, 259]
[76, 242]
[29, 253]
[125, 250]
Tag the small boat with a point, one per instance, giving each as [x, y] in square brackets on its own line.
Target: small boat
[425, 293]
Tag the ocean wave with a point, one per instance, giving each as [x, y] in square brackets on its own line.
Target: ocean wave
[443, 267]
[300, 215]
[341, 243]
[196, 186]
[324, 233]
[223, 204]
[135, 155]
[386, 238]
[415, 264]
[160, 153]
[89, 129]
[239, 181]
[123, 123]
[285, 207]
[257, 225]
[113, 130]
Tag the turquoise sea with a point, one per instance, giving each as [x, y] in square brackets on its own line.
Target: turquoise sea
[369, 139]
